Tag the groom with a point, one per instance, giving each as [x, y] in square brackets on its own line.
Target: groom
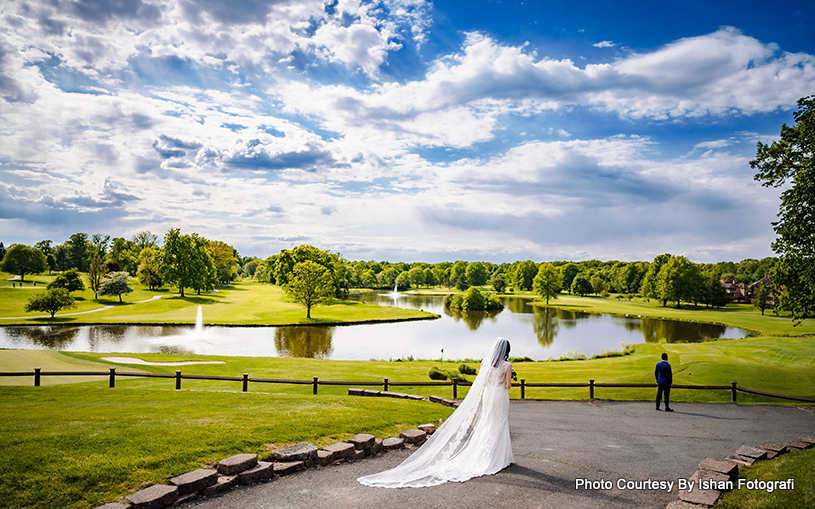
[664, 379]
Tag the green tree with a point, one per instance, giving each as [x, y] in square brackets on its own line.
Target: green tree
[176, 259]
[678, 280]
[598, 284]
[792, 158]
[70, 280]
[569, 271]
[78, 251]
[477, 274]
[547, 282]
[21, 260]
[98, 246]
[126, 254]
[149, 271]
[115, 283]
[429, 277]
[202, 271]
[309, 284]
[61, 257]
[458, 275]
[403, 280]
[287, 259]
[50, 301]
[498, 282]
[225, 258]
[96, 271]
[581, 286]
[416, 276]
[649, 281]
[762, 297]
[523, 274]
[473, 300]
[145, 239]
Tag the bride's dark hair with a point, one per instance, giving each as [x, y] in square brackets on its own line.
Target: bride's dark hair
[506, 355]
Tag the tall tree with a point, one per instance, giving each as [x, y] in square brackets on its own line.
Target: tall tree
[145, 239]
[679, 279]
[225, 258]
[21, 259]
[477, 274]
[176, 259]
[202, 271]
[287, 259]
[149, 271]
[547, 282]
[569, 271]
[96, 271]
[792, 158]
[78, 251]
[310, 284]
[98, 245]
[649, 282]
[523, 274]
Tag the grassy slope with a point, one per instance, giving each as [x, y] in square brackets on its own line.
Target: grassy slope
[796, 465]
[109, 443]
[245, 303]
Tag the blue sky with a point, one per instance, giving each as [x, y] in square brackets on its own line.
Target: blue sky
[401, 129]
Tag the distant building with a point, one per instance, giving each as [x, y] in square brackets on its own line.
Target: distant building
[736, 292]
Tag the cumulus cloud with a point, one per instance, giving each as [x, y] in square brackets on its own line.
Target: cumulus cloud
[604, 44]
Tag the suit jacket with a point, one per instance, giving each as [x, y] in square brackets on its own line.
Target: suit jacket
[663, 373]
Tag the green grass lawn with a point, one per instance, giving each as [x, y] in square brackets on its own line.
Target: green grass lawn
[796, 465]
[245, 303]
[81, 445]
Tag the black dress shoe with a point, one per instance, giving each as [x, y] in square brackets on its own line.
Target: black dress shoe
[669, 409]
[658, 409]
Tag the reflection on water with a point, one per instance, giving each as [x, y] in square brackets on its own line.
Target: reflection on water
[309, 342]
[535, 331]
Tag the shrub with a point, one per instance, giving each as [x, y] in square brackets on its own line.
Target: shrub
[466, 370]
[521, 359]
[436, 374]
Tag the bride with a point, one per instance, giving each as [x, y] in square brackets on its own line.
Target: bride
[474, 441]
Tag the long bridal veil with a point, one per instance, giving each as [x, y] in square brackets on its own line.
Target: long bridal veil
[474, 440]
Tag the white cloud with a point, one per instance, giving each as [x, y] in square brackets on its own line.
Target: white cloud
[604, 44]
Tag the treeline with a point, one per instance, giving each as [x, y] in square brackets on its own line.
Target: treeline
[183, 260]
[192, 261]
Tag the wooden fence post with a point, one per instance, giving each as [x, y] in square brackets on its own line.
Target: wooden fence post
[112, 378]
[315, 385]
[245, 382]
[37, 377]
[733, 392]
[591, 388]
[386, 385]
[523, 388]
[178, 379]
[455, 387]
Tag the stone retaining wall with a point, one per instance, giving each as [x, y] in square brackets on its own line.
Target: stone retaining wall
[244, 469]
[716, 472]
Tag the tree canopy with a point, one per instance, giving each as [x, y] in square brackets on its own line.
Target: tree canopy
[309, 284]
[792, 159]
[21, 259]
[70, 280]
[115, 283]
[547, 282]
[50, 301]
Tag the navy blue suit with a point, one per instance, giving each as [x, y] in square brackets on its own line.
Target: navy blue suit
[664, 378]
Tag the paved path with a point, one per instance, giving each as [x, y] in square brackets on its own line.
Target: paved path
[554, 443]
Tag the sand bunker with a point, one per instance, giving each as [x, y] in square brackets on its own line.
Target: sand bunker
[133, 360]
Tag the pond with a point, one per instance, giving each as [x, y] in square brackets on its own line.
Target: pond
[536, 332]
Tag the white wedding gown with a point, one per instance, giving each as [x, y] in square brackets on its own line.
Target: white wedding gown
[474, 441]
